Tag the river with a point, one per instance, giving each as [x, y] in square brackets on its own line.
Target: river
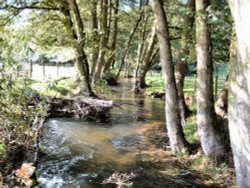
[82, 154]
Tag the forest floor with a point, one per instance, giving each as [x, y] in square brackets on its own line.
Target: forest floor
[194, 170]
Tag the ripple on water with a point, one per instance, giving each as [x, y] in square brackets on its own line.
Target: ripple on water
[61, 155]
[77, 151]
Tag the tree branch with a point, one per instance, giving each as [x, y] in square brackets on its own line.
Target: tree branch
[28, 7]
[175, 27]
[174, 38]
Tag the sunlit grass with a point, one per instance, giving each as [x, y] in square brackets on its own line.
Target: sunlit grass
[221, 173]
[156, 84]
[54, 88]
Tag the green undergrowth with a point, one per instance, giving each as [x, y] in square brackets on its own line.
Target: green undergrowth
[59, 87]
[102, 88]
[3, 149]
[221, 173]
[190, 131]
[66, 87]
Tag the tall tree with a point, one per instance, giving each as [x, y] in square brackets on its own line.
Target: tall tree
[77, 28]
[141, 43]
[103, 40]
[173, 121]
[95, 47]
[181, 66]
[239, 93]
[146, 63]
[113, 37]
[128, 43]
[206, 116]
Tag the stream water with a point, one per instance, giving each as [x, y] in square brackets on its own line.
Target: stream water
[82, 154]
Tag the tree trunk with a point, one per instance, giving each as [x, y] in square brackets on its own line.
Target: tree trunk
[113, 38]
[125, 53]
[181, 67]
[141, 43]
[240, 10]
[43, 66]
[103, 41]
[221, 106]
[79, 34]
[146, 68]
[141, 84]
[30, 67]
[173, 121]
[216, 82]
[206, 117]
[109, 17]
[239, 94]
[95, 46]
[57, 69]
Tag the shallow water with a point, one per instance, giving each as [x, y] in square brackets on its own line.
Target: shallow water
[82, 154]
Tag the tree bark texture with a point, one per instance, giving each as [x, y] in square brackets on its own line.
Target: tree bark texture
[239, 93]
[173, 121]
[221, 106]
[206, 117]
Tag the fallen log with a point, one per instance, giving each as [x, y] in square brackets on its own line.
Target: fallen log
[98, 102]
[85, 108]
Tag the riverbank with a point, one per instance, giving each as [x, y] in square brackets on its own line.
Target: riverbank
[133, 141]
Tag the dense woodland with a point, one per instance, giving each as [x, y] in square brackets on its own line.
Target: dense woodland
[109, 41]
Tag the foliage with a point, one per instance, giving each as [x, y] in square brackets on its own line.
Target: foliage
[190, 130]
[60, 87]
[2, 149]
[221, 28]
[101, 87]
[19, 104]
[17, 115]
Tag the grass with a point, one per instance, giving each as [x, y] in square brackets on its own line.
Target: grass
[58, 87]
[220, 173]
[2, 149]
[65, 87]
[157, 85]
[190, 131]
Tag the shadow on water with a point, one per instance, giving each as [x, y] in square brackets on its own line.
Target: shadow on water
[82, 154]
